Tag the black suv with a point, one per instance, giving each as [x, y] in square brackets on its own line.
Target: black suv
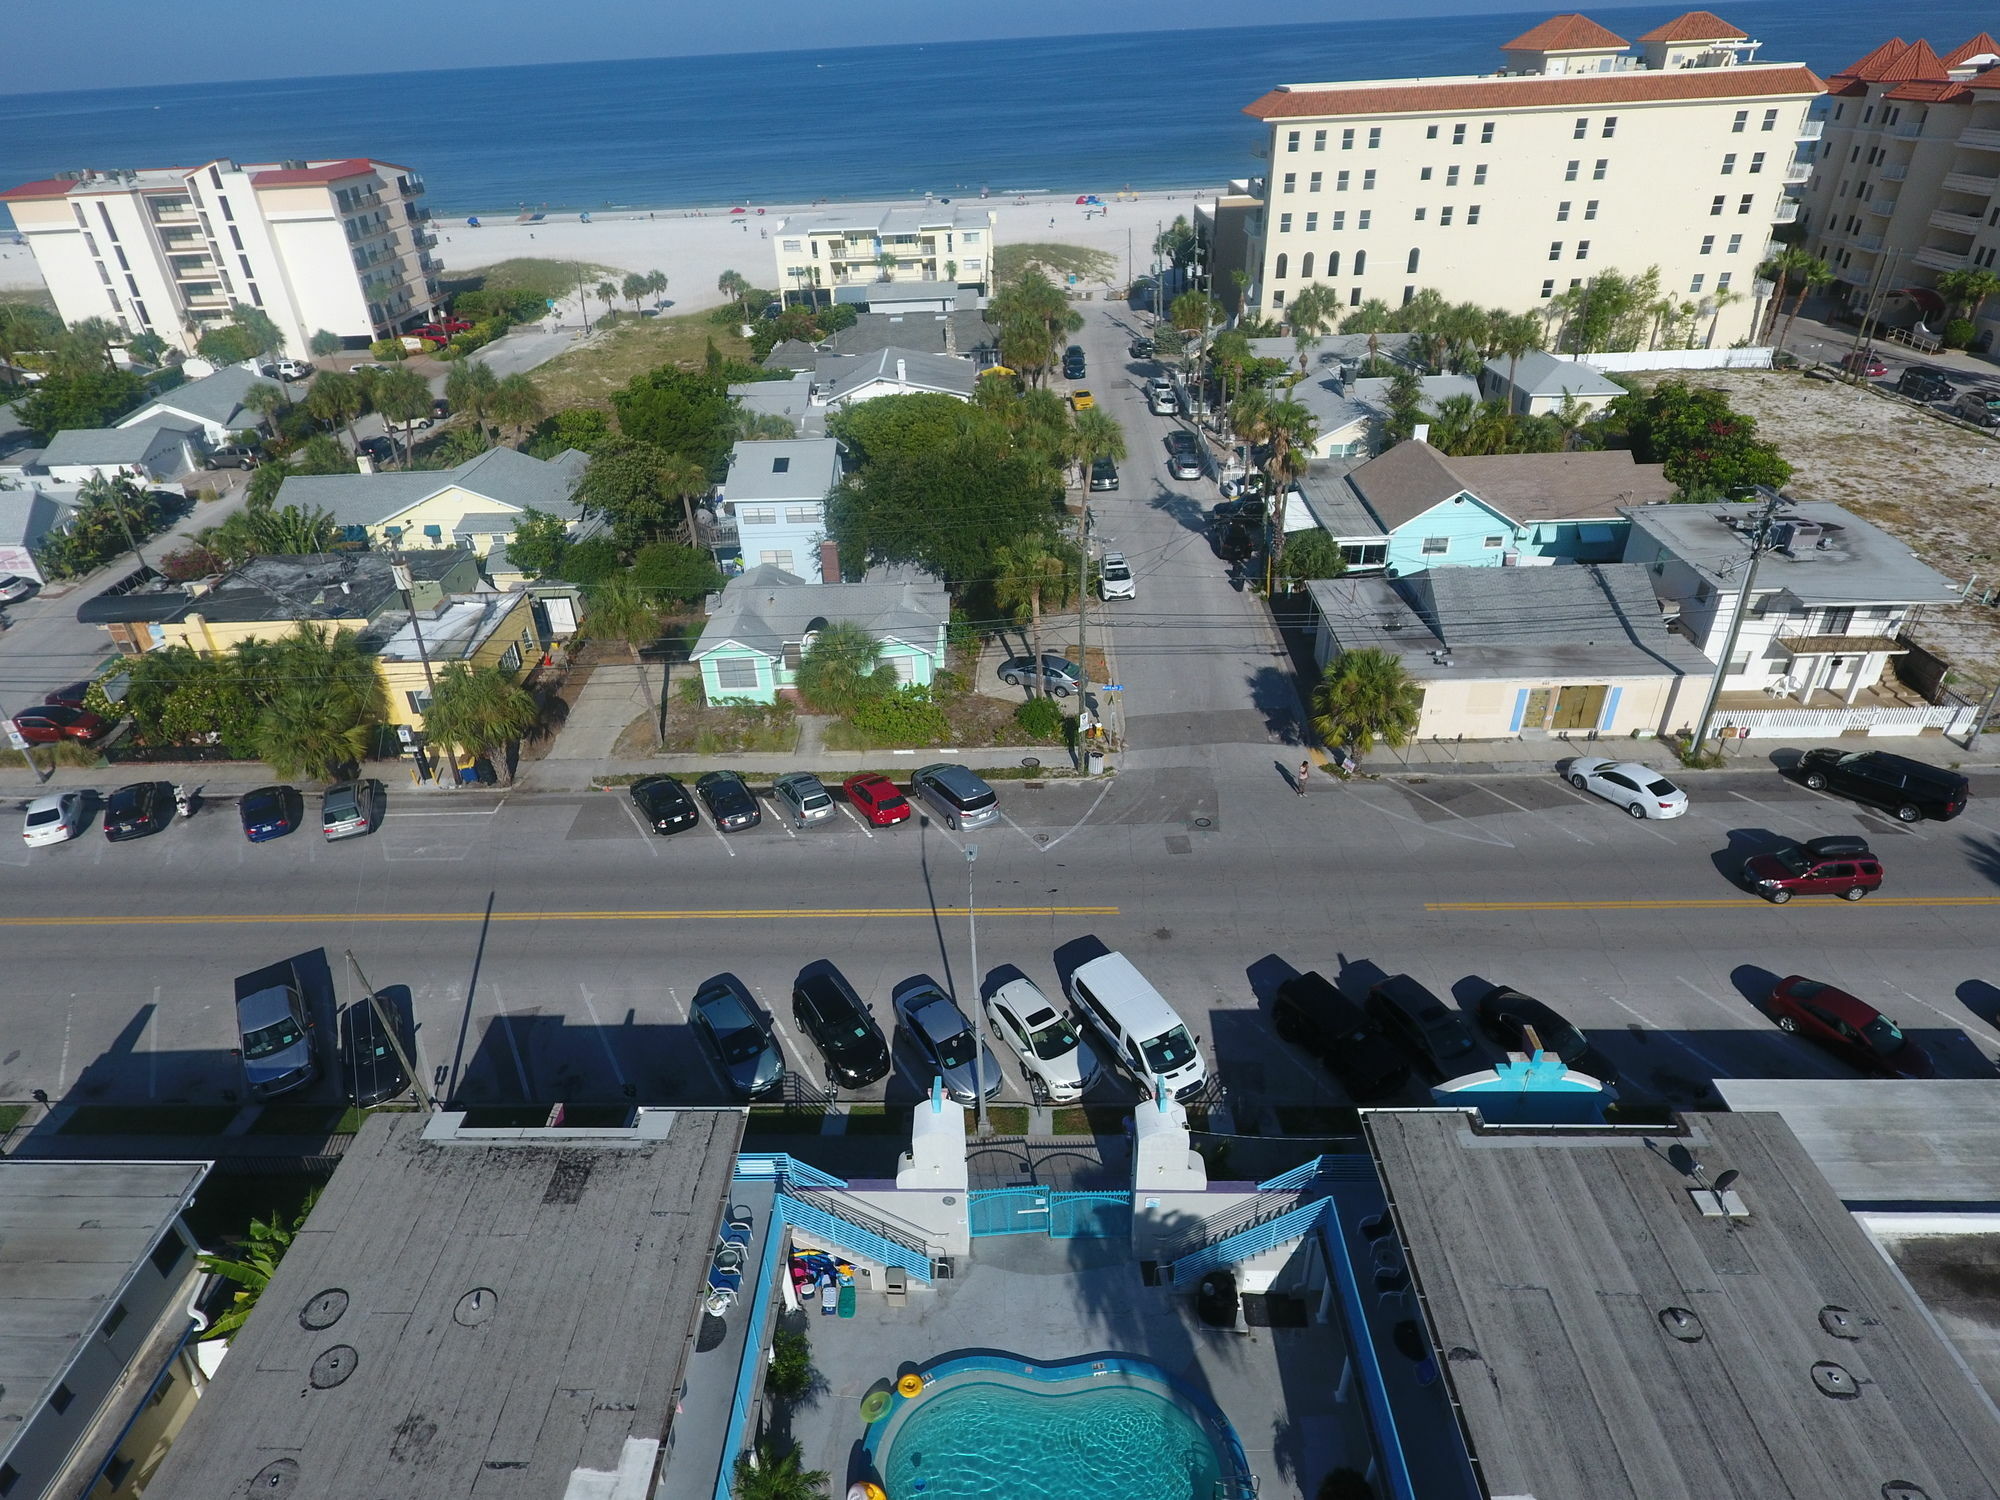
[139, 809]
[1924, 385]
[1908, 788]
[1431, 1031]
[1311, 1014]
[826, 1009]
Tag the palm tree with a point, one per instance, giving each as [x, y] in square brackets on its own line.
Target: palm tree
[607, 293]
[337, 399]
[1036, 572]
[656, 282]
[479, 712]
[1781, 268]
[888, 263]
[1452, 425]
[402, 396]
[1968, 289]
[516, 403]
[1096, 435]
[842, 668]
[253, 1266]
[1250, 424]
[263, 398]
[327, 700]
[1723, 297]
[1811, 277]
[622, 609]
[469, 388]
[1293, 431]
[776, 1476]
[1312, 313]
[1514, 335]
[1364, 696]
[1374, 319]
[634, 287]
[734, 285]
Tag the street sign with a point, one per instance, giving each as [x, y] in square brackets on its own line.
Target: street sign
[1111, 687]
[15, 738]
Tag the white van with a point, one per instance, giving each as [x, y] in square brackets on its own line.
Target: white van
[1144, 1031]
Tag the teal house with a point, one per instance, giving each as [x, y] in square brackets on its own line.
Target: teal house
[761, 625]
[1413, 508]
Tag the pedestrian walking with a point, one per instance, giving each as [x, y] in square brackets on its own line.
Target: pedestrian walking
[1305, 770]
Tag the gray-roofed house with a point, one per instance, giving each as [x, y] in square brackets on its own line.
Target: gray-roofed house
[843, 379]
[1414, 507]
[1350, 414]
[763, 621]
[214, 403]
[1508, 653]
[789, 400]
[1338, 353]
[26, 517]
[1540, 382]
[1834, 597]
[152, 453]
[476, 505]
[777, 491]
[98, 1272]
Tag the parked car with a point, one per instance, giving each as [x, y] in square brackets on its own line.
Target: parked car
[270, 812]
[1058, 1063]
[1234, 541]
[1981, 406]
[440, 408]
[804, 798]
[877, 799]
[1139, 1027]
[1428, 1029]
[1140, 348]
[738, 1036]
[380, 449]
[136, 810]
[1081, 400]
[665, 804]
[1838, 866]
[729, 800]
[1184, 456]
[231, 456]
[69, 695]
[1507, 1016]
[373, 1072]
[14, 588]
[286, 369]
[1865, 364]
[56, 818]
[1920, 384]
[956, 794]
[1911, 789]
[349, 809]
[53, 723]
[1059, 677]
[931, 1019]
[828, 1011]
[1311, 1014]
[1072, 364]
[1114, 577]
[1852, 1029]
[1640, 790]
[1103, 474]
[277, 1047]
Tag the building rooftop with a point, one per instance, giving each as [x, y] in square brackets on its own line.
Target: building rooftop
[1580, 486]
[1848, 560]
[315, 586]
[1338, 405]
[1333, 503]
[109, 446]
[766, 608]
[319, 172]
[907, 219]
[838, 376]
[1696, 26]
[1403, 483]
[452, 630]
[787, 469]
[505, 475]
[1535, 91]
[478, 1313]
[1603, 1340]
[216, 399]
[1336, 348]
[262, 174]
[1540, 373]
[71, 1233]
[1567, 33]
[790, 399]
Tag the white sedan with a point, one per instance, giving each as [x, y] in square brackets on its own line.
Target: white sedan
[1640, 790]
[55, 819]
[1059, 1063]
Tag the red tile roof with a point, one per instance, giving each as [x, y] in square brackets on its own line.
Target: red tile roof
[1871, 66]
[1982, 45]
[1929, 91]
[1529, 92]
[1917, 61]
[48, 187]
[333, 171]
[1696, 26]
[1566, 33]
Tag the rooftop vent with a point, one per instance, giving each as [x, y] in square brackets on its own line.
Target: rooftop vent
[1839, 1322]
[1835, 1381]
[279, 1477]
[324, 1309]
[333, 1366]
[1683, 1324]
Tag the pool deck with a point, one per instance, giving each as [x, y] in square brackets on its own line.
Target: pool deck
[1050, 1300]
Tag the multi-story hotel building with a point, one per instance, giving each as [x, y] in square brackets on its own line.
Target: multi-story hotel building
[1505, 189]
[1906, 185]
[337, 245]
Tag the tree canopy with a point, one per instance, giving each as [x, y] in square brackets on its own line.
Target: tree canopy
[948, 508]
[92, 398]
[1707, 448]
[685, 413]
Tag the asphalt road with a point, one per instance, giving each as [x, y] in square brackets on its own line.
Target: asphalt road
[545, 947]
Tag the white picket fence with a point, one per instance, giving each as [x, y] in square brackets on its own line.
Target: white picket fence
[1828, 723]
[1627, 361]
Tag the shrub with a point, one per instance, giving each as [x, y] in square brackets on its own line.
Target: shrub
[1959, 333]
[387, 349]
[590, 561]
[1041, 718]
[791, 1372]
[908, 716]
[947, 684]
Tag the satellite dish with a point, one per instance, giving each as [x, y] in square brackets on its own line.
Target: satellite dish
[1724, 1182]
[1683, 1160]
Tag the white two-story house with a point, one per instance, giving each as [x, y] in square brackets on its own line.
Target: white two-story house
[1832, 600]
[777, 492]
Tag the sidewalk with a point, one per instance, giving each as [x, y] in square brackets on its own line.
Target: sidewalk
[576, 775]
[1540, 757]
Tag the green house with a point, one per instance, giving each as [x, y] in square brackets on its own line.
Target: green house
[761, 624]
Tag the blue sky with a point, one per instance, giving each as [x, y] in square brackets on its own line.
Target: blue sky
[114, 43]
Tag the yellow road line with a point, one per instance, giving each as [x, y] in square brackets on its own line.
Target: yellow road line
[248, 919]
[1705, 904]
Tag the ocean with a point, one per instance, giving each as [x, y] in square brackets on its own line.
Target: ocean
[1070, 114]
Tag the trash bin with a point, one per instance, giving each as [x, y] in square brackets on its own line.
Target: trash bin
[1093, 763]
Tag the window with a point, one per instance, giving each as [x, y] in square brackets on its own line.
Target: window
[1555, 249]
[1744, 206]
[1451, 176]
[1340, 218]
[1374, 137]
[1722, 281]
[802, 515]
[1486, 134]
[1582, 129]
[1583, 249]
[1756, 163]
[1361, 221]
[1715, 204]
[1548, 288]
[1868, 115]
[1430, 132]
[1312, 223]
[1360, 260]
[1319, 140]
[1423, 174]
[1284, 264]
[1306, 266]
[1562, 212]
[1496, 541]
[1278, 298]
[762, 515]
[1736, 126]
[1411, 268]
[1472, 214]
[1695, 284]
[1444, 214]
[1610, 127]
[1347, 139]
[1603, 166]
[1284, 223]
[1409, 295]
[1333, 262]
[60, 1401]
[1569, 171]
[1436, 546]
[781, 465]
[736, 672]
[1479, 175]
[510, 659]
[1368, 181]
[1590, 209]
[1291, 182]
[1708, 244]
[1312, 182]
[1420, 215]
[1354, 296]
[114, 1320]
[1728, 163]
[1770, 119]
[1340, 182]
[1735, 244]
[1458, 135]
[1292, 141]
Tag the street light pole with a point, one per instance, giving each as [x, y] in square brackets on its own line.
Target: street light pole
[399, 570]
[1758, 544]
[978, 1008]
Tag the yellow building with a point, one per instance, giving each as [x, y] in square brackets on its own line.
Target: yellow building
[474, 506]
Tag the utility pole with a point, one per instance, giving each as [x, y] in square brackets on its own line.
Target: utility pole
[978, 1008]
[388, 1024]
[399, 570]
[1758, 544]
[1084, 718]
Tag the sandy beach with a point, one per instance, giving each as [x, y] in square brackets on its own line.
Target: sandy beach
[696, 248]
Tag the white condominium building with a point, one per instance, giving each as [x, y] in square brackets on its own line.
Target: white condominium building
[949, 243]
[1906, 185]
[1506, 189]
[342, 246]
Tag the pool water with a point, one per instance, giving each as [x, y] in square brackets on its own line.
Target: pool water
[975, 1440]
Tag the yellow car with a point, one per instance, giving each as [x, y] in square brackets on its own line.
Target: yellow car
[1081, 400]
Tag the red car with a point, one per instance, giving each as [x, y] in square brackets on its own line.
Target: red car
[56, 722]
[877, 798]
[70, 695]
[1858, 363]
[1841, 866]
[1852, 1029]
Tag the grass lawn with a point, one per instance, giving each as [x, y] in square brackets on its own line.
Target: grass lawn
[1056, 261]
[1007, 1119]
[547, 279]
[606, 362]
[150, 1119]
[10, 1116]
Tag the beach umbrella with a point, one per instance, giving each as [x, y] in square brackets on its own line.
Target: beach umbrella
[1082, 199]
[736, 210]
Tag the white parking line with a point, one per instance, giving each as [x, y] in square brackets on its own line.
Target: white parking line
[937, 827]
[645, 833]
[453, 812]
[1715, 1068]
[786, 824]
[1979, 1031]
[597, 1025]
[513, 1042]
[1859, 810]
[1724, 1006]
[1477, 836]
[857, 821]
[710, 826]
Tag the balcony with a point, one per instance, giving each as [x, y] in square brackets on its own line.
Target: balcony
[1798, 171]
[1907, 131]
[1971, 182]
[1868, 242]
[424, 240]
[1882, 208]
[1957, 223]
[1811, 130]
[1895, 173]
[412, 185]
[168, 212]
[1788, 211]
[1942, 260]
[1979, 140]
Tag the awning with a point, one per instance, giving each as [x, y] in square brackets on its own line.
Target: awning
[1924, 297]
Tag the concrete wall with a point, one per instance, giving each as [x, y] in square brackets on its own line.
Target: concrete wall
[1491, 709]
[1681, 359]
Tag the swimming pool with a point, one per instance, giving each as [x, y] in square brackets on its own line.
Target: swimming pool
[994, 1428]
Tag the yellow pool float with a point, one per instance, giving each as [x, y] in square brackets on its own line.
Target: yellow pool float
[910, 1387]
